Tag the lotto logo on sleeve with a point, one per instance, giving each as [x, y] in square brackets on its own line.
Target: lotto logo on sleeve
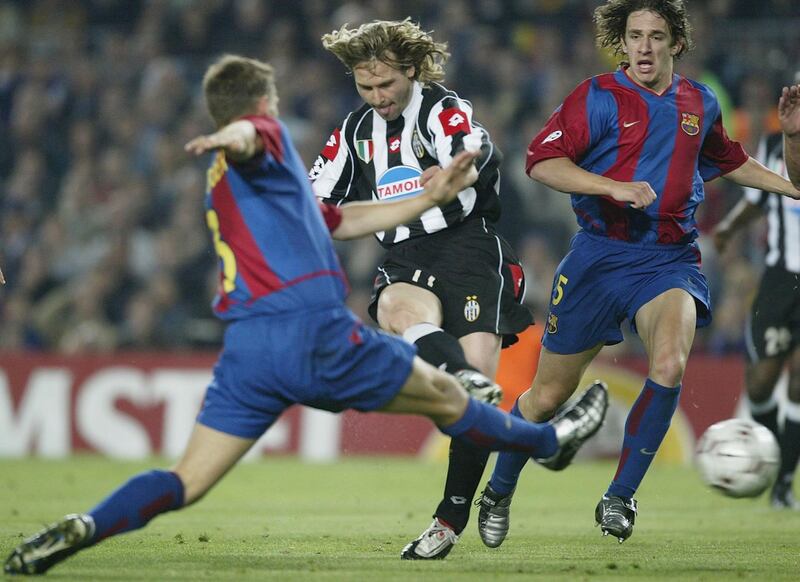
[332, 145]
[553, 136]
[399, 182]
[454, 121]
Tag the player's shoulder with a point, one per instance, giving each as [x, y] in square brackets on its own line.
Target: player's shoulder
[593, 88]
[353, 119]
[433, 92]
[694, 84]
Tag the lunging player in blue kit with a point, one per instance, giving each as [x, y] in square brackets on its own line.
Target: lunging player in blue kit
[290, 338]
[633, 148]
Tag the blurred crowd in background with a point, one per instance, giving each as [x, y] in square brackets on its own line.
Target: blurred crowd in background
[102, 234]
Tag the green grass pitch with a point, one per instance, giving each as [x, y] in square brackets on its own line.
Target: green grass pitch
[279, 519]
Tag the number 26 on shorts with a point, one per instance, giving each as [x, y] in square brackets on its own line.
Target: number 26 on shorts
[558, 294]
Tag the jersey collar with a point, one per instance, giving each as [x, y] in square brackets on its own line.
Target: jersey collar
[622, 77]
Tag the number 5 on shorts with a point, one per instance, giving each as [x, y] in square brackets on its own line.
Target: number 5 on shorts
[559, 294]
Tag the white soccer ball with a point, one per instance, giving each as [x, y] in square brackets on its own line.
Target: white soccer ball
[738, 457]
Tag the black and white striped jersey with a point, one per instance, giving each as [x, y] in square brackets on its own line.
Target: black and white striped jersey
[369, 158]
[783, 213]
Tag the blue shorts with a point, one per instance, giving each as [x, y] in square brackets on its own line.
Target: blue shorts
[327, 359]
[602, 282]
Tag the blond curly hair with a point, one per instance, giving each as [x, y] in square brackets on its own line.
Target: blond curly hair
[399, 44]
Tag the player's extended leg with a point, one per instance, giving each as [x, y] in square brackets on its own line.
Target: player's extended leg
[443, 398]
[466, 464]
[666, 325]
[209, 455]
[782, 496]
[557, 376]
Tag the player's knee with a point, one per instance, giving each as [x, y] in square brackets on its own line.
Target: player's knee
[667, 369]
[398, 310]
[759, 387]
[397, 322]
[451, 397]
[541, 402]
[761, 379]
[539, 408]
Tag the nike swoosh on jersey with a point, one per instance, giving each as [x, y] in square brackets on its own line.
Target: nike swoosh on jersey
[630, 123]
[644, 451]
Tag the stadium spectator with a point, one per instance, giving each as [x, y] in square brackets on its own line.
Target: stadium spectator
[635, 256]
[86, 71]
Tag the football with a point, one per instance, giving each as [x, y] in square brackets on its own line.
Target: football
[738, 457]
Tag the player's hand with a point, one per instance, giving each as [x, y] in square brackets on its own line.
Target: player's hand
[444, 185]
[795, 193]
[638, 194]
[721, 237]
[789, 111]
[428, 174]
[238, 138]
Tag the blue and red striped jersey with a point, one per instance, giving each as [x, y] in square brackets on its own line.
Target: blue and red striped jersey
[611, 126]
[271, 236]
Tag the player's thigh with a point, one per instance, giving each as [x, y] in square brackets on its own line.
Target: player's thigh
[794, 375]
[557, 377]
[401, 305]
[471, 270]
[429, 392]
[208, 456]
[482, 290]
[667, 326]
[482, 350]
[775, 315]
[762, 376]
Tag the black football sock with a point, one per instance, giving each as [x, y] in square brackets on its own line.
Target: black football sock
[466, 462]
[790, 441]
[437, 347]
[766, 413]
[464, 474]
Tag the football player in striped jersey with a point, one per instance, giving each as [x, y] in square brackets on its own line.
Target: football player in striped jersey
[449, 282]
[773, 338]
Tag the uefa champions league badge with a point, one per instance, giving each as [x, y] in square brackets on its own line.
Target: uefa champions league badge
[399, 182]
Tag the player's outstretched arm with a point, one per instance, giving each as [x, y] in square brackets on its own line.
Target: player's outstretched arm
[564, 175]
[363, 218]
[740, 216]
[239, 140]
[754, 174]
[789, 116]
